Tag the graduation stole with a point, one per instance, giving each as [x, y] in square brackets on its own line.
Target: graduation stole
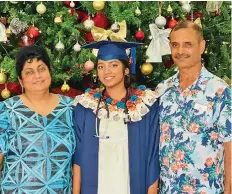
[136, 105]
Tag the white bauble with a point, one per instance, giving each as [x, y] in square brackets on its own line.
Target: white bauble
[160, 21]
[186, 7]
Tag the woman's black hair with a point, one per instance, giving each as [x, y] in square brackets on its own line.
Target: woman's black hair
[29, 53]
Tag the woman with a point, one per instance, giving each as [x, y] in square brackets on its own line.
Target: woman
[117, 131]
[37, 139]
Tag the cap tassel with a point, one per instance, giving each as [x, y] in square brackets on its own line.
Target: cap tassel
[133, 60]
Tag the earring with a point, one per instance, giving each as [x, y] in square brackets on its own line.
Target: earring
[95, 80]
[22, 89]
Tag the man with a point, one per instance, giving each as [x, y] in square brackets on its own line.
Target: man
[195, 120]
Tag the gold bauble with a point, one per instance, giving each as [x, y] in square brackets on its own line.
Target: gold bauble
[8, 32]
[58, 20]
[3, 78]
[5, 93]
[146, 68]
[65, 87]
[98, 5]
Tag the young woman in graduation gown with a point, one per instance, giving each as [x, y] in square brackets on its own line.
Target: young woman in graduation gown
[117, 131]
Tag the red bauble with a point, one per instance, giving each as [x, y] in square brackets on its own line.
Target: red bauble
[217, 13]
[88, 37]
[33, 32]
[15, 88]
[168, 64]
[171, 23]
[67, 3]
[198, 15]
[81, 15]
[71, 11]
[188, 17]
[139, 35]
[100, 20]
[26, 41]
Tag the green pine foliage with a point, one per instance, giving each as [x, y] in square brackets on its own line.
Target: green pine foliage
[216, 29]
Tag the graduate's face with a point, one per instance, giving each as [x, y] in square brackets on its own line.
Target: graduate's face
[111, 73]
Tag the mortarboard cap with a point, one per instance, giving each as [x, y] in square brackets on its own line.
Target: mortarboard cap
[109, 50]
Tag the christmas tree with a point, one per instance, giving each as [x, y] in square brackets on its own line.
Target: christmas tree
[62, 27]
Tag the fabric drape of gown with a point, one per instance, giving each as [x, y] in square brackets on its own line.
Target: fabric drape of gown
[113, 161]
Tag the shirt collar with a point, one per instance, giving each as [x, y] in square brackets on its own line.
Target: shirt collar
[199, 84]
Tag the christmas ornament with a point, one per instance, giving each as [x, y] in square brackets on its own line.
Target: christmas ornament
[183, 2]
[67, 3]
[33, 32]
[3, 77]
[81, 15]
[198, 22]
[41, 9]
[26, 41]
[102, 34]
[171, 23]
[72, 4]
[88, 24]
[71, 11]
[159, 44]
[5, 93]
[198, 15]
[58, 20]
[168, 64]
[77, 47]
[160, 21]
[100, 20]
[98, 5]
[3, 36]
[8, 32]
[59, 46]
[89, 65]
[146, 68]
[14, 87]
[65, 87]
[137, 12]
[115, 27]
[3, 20]
[139, 35]
[88, 37]
[217, 13]
[169, 10]
[16, 26]
[186, 7]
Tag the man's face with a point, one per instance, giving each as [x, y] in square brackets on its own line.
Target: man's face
[186, 48]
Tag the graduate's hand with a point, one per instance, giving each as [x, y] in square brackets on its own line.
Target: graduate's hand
[153, 189]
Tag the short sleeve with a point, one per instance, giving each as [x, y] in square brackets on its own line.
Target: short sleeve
[224, 120]
[78, 118]
[154, 136]
[4, 124]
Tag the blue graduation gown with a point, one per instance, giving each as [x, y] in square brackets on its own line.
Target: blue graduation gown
[143, 145]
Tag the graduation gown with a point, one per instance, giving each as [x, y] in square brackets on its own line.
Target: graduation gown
[143, 147]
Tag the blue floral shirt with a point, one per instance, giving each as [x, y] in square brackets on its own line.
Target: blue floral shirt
[194, 125]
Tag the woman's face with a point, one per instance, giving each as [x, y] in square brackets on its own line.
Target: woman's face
[35, 76]
[111, 73]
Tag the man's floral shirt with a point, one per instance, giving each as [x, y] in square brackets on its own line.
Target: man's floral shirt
[194, 125]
